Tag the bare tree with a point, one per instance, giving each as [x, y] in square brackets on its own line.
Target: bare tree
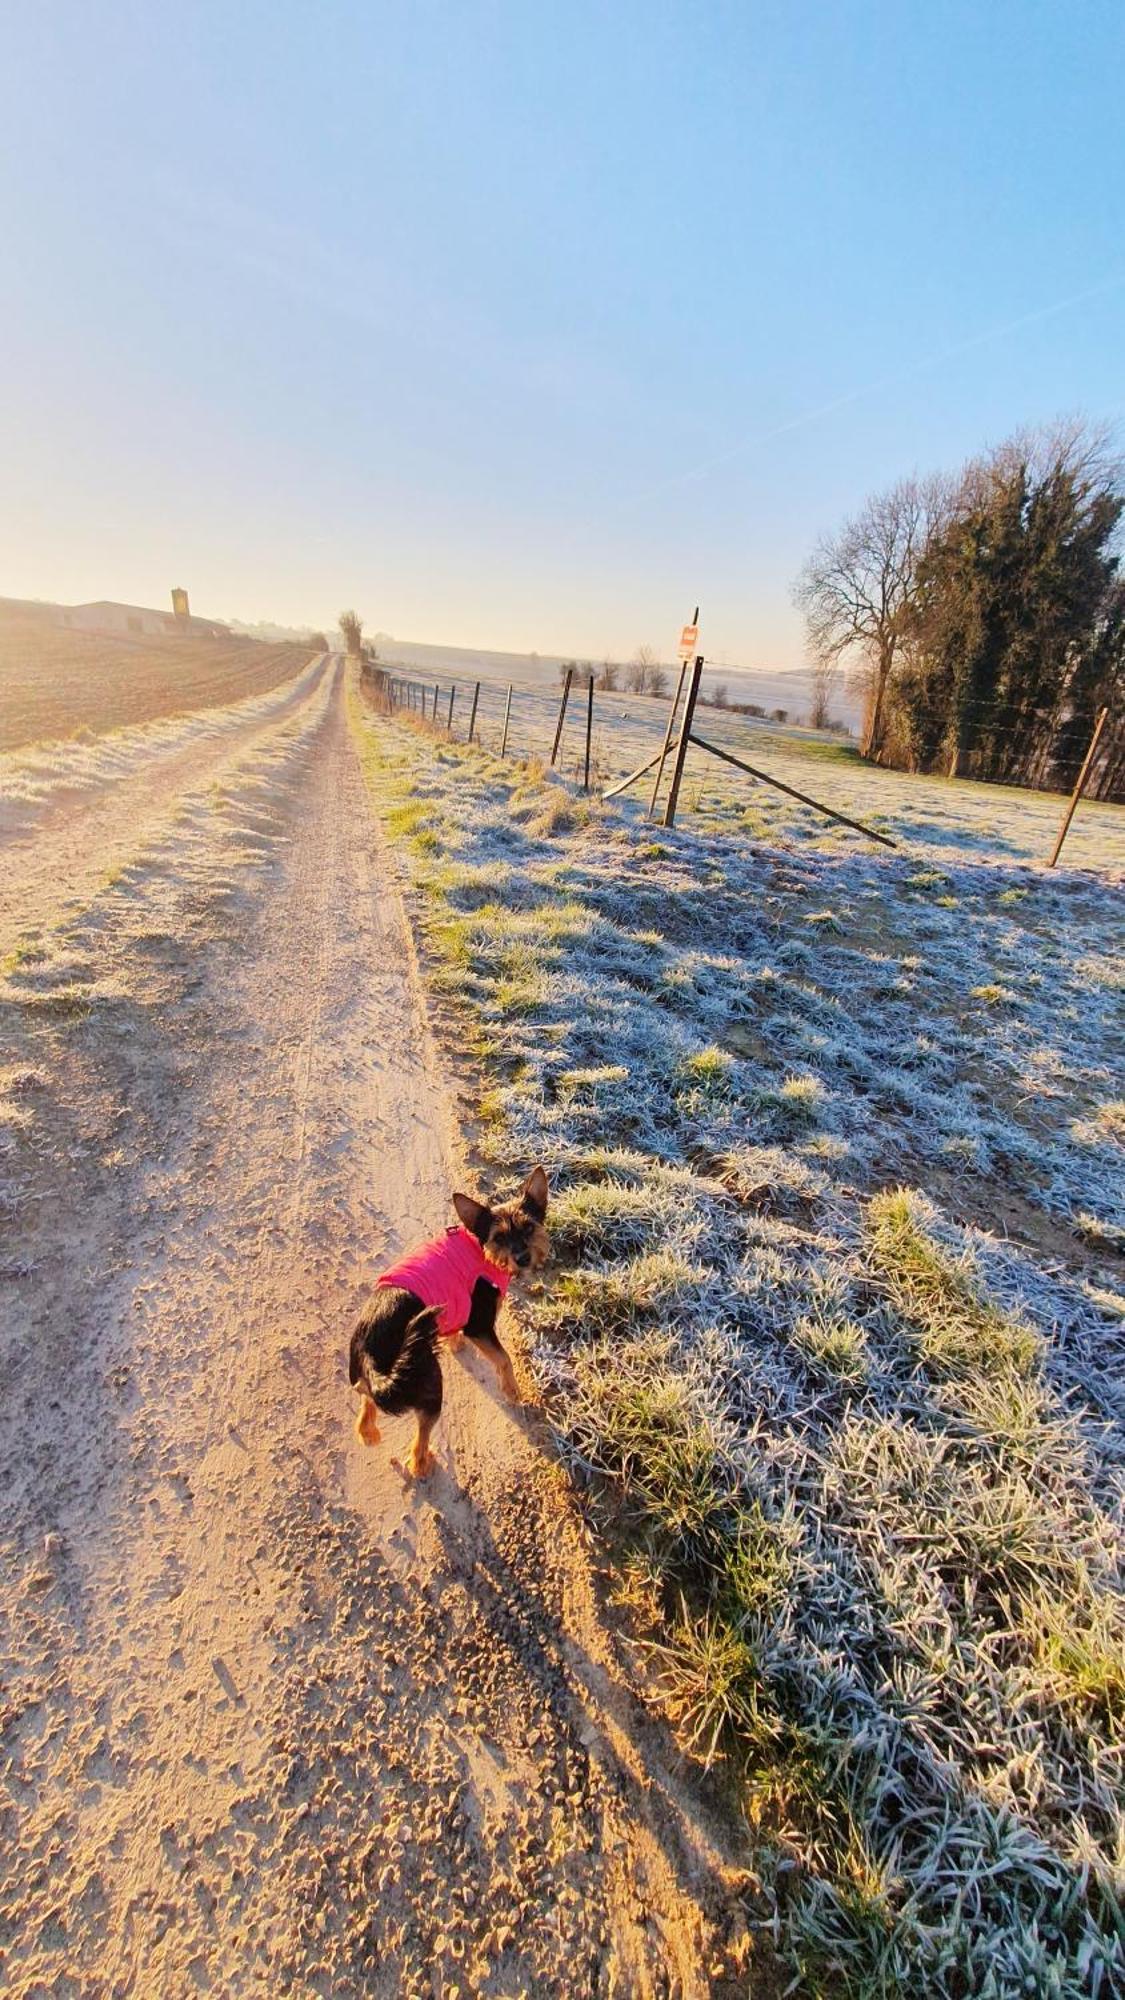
[658, 680]
[607, 675]
[351, 631]
[318, 641]
[720, 696]
[638, 673]
[855, 591]
[825, 676]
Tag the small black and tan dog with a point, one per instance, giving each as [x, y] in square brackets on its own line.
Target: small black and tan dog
[441, 1290]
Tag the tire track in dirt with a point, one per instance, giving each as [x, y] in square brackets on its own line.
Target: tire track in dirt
[274, 1719]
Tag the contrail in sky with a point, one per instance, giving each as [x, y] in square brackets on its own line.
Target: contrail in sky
[886, 382]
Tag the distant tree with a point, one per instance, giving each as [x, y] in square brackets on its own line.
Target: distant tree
[856, 591]
[779, 715]
[318, 642]
[825, 676]
[755, 708]
[351, 630]
[607, 675]
[1008, 619]
[658, 679]
[638, 673]
[720, 696]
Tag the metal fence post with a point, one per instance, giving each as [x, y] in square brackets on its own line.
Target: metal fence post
[562, 712]
[507, 718]
[667, 739]
[681, 747]
[449, 719]
[473, 713]
[589, 729]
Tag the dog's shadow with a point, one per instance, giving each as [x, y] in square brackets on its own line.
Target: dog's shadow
[511, 1557]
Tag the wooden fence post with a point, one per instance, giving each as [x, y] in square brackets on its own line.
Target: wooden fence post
[681, 747]
[473, 714]
[667, 740]
[562, 712]
[507, 718]
[449, 719]
[1080, 786]
[589, 729]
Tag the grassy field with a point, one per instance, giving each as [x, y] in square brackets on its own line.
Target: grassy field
[55, 682]
[836, 1328]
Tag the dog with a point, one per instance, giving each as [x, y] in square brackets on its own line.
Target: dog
[444, 1289]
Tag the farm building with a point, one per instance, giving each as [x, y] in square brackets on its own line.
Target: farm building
[131, 620]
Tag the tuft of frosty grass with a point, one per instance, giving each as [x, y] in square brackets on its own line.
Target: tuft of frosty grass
[868, 1460]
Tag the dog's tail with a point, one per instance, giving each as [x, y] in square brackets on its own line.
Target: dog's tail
[399, 1390]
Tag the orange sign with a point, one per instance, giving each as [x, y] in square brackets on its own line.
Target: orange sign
[688, 637]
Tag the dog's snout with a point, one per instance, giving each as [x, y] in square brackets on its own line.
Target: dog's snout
[524, 1259]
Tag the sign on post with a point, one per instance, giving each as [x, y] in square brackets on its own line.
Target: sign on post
[688, 637]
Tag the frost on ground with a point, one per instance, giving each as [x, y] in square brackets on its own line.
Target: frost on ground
[838, 1140]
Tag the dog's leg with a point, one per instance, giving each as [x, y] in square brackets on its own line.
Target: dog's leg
[488, 1345]
[502, 1362]
[427, 1409]
[481, 1330]
[420, 1459]
[367, 1422]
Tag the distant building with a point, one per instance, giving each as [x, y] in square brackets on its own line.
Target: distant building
[132, 621]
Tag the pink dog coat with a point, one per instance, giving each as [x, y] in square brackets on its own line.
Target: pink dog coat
[443, 1273]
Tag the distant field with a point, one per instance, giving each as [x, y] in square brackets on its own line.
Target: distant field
[54, 682]
[790, 688]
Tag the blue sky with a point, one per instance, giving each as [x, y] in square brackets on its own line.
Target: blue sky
[530, 326]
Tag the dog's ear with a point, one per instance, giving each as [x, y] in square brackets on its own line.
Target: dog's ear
[534, 1194]
[474, 1214]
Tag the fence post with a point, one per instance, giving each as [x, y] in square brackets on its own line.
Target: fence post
[589, 729]
[507, 718]
[1080, 786]
[681, 747]
[473, 712]
[562, 712]
[435, 703]
[667, 739]
[449, 719]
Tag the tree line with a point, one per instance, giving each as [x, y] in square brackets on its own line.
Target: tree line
[643, 674]
[982, 615]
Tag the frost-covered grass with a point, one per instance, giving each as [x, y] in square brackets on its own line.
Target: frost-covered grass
[941, 820]
[867, 1452]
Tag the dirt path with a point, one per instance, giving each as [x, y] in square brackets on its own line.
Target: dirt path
[272, 1719]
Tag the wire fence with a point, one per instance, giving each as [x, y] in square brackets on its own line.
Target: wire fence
[599, 737]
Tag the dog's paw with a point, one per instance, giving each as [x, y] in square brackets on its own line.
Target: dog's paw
[510, 1386]
[420, 1464]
